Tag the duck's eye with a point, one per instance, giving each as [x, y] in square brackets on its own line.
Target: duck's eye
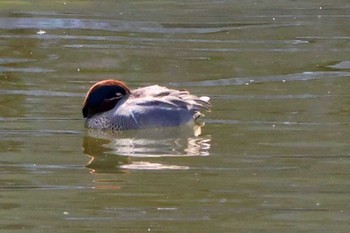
[118, 95]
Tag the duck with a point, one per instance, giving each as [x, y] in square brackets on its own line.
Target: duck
[110, 104]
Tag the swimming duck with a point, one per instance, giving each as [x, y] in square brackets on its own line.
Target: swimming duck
[110, 104]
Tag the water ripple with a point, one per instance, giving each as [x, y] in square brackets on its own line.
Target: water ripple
[38, 132]
[25, 70]
[46, 23]
[40, 93]
[152, 166]
[15, 60]
[305, 76]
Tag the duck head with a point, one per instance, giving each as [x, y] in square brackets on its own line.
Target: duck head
[103, 96]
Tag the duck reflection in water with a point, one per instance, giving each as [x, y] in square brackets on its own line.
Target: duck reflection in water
[120, 151]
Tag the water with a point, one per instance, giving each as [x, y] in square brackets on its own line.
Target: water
[273, 156]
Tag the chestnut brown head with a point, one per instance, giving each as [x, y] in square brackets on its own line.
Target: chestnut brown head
[103, 96]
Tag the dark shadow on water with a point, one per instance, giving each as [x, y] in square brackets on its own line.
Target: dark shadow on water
[118, 152]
